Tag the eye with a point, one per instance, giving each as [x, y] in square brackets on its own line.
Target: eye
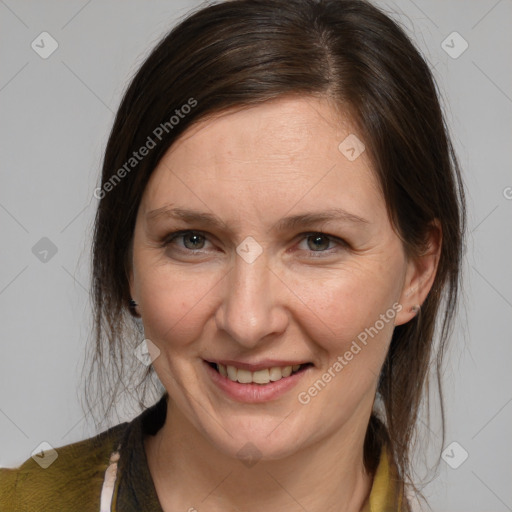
[190, 240]
[321, 242]
[316, 243]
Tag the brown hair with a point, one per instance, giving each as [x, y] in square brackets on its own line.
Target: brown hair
[244, 52]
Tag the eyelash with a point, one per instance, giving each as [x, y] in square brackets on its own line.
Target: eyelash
[171, 237]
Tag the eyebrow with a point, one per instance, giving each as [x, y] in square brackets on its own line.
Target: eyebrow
[286, 224]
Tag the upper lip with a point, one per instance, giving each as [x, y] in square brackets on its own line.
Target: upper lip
[260, 365]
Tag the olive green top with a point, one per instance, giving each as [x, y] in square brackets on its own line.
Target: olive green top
[73, 481]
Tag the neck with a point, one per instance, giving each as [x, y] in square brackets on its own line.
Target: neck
[190, 473]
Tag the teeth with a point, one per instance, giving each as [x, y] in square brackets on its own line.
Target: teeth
[231, 370]
[275, 373]
[259, 377]
[287, 371]
[243, 376]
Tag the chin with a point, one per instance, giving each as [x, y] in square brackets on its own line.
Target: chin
[260, 441]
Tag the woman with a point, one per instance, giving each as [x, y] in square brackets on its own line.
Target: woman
[281, 213]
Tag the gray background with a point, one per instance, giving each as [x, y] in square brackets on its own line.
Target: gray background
[55, 117]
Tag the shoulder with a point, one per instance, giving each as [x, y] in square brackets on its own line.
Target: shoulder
[72, 481]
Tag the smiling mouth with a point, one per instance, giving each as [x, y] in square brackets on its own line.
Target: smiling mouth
[264, 376]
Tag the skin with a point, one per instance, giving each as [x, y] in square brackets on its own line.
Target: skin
[297, 300]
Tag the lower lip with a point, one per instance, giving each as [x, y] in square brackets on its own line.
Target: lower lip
[254, 393]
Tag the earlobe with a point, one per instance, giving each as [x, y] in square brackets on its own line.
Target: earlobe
[420, 276]
[132, 303]
[133, 308]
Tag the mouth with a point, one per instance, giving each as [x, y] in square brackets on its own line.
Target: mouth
[262, 377]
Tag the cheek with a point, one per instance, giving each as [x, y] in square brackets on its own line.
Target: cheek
[342, 304]
[350, 318]
[174, 302]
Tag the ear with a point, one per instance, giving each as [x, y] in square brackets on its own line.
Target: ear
[420, 275]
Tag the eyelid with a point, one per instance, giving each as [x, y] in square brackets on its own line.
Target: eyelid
[322, 233]
[339, 241]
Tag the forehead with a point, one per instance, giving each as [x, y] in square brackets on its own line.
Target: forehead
[287, 149]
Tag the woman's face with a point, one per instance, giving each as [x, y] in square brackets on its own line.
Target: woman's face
[261, 244]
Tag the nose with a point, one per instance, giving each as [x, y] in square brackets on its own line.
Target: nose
[252, 307]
